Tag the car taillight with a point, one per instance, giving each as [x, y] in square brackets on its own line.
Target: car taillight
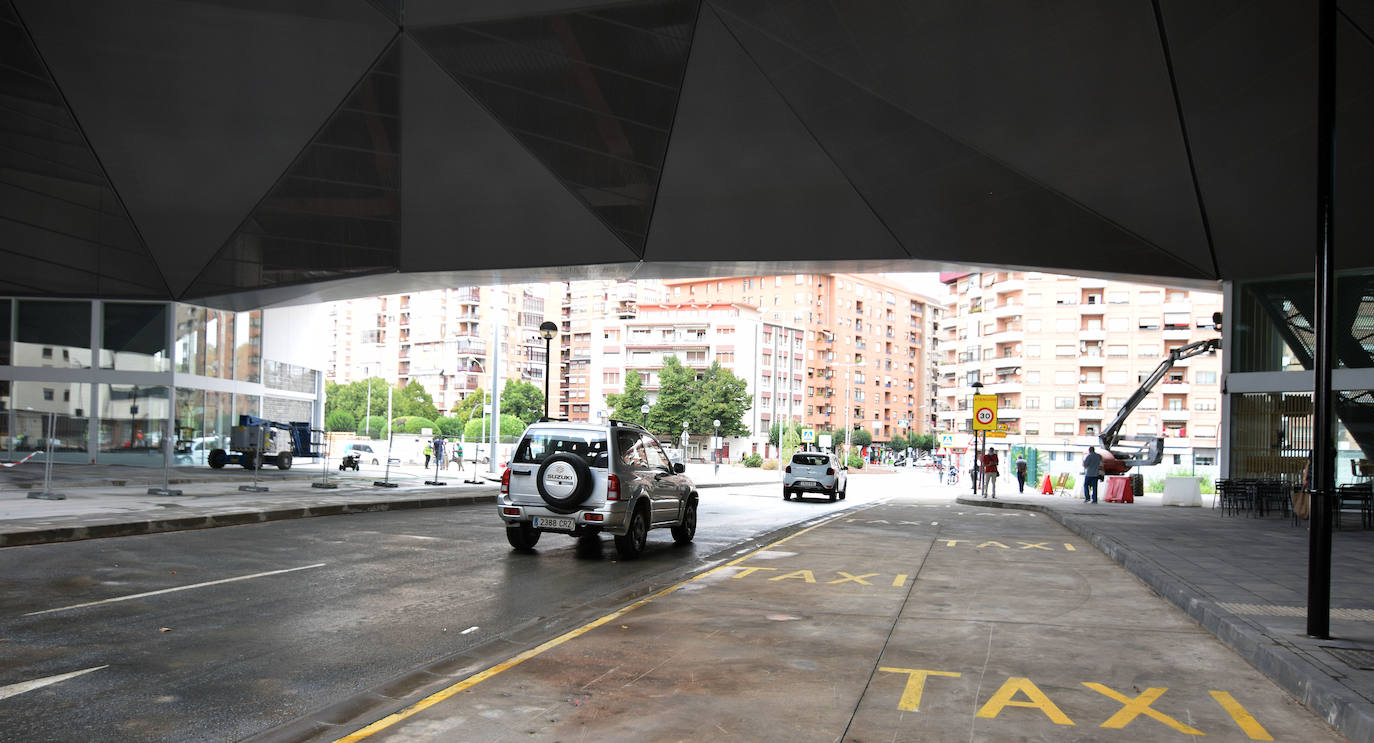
[788, 468]
[612, 487]
[505, 482]
[829, 470]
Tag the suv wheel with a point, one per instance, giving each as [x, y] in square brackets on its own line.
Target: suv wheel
[522, 536]
[564, 481]
[834, 493]
[683, 533]
[786, 494]
[632, 544]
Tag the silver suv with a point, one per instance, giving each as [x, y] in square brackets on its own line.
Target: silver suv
[815, 472]
[584, 479]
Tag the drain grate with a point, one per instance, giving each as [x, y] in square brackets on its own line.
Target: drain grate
[1275, 610]
[1357, 658]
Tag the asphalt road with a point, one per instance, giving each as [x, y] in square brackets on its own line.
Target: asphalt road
[221, 634]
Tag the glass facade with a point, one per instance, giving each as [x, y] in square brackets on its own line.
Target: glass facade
[120, 408]
[53, 334]
[1273, 329]
[134, 337]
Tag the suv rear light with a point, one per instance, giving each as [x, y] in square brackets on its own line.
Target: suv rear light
[509, 511]
[505, 482]
[612, 487]
[829, 470]
[788, 468]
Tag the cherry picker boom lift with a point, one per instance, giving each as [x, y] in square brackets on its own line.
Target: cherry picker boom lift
[1120, 453]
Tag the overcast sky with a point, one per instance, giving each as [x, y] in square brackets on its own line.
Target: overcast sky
[925, 283]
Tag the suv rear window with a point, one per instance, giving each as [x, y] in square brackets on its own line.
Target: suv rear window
[537, 446]
[810, 459]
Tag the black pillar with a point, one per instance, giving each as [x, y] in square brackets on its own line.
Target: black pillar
[1323, 440]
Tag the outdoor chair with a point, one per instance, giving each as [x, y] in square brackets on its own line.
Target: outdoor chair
[1357, 497]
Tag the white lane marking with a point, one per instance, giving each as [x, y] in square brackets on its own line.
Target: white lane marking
[469, 629]
[173, 590]
[14, 689]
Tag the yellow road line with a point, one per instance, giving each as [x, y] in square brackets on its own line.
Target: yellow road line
[1247, 722]
[481, 676]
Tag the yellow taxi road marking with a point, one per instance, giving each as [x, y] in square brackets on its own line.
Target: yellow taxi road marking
[173, 590]
[15, 689]
[516, 660]
[1247, 722]
[750, 570]
[1133, 707]
[900, 580]
[994, 544]
[805, 575]
[1033, 697]
[848, 578]
[915, 685]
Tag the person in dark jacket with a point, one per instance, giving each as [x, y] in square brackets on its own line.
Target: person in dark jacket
[1092, 473]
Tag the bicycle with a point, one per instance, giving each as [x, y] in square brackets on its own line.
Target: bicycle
[952, 477]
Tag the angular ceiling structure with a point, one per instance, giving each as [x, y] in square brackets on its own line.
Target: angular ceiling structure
[241, 153]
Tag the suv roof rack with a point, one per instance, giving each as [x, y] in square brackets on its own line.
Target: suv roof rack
[547, 419]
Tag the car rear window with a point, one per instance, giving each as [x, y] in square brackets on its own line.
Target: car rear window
[538, 446]
[810, 459]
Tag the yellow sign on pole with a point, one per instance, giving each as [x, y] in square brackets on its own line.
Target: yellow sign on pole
[985, 412]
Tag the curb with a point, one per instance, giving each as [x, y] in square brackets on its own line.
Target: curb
[239, 518]
[1286, 665]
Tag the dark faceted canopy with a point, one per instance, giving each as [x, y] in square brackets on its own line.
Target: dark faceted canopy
[242, 153]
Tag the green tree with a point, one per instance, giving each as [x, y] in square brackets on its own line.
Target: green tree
[469, 406]
[522, 400]
[721, 396]
[625, 406]
[898, 442]
[677, 400]
[352, 397]
[923, 441]
[450, 425]
[414, 424]
[790, 440]
[413, 400]
[775, 431]
[861, 437]
[340, 420]
[510, 426]
[373, 427]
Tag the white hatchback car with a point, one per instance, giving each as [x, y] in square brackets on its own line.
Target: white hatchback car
[815, 472]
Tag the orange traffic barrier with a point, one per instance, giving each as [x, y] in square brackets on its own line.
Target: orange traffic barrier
[1047, 487]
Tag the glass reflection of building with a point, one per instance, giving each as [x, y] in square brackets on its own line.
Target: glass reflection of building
[1269, 354]
[108, 381]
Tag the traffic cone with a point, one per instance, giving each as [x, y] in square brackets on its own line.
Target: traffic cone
[1047, 487]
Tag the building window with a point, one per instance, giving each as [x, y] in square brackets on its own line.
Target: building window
[1063, 429]
[1205, 377]
[1063, 403]
[1031, 403]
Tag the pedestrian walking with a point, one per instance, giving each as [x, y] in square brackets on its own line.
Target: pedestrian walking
[1092, 472]
[990, 463]
[438, 452]
[1021, 469]
[429, 452]
[458, 454]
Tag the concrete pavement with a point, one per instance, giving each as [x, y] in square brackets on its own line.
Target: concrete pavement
[1245, 580]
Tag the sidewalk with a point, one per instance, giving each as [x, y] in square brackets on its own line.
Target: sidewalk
[113, 500]
[1245, 580]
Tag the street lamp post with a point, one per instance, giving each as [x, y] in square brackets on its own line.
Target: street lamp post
[977, 442]
[684, 441]
[644, 413]
[547, 330]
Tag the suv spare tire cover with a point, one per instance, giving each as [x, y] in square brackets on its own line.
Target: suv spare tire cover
[564, 481]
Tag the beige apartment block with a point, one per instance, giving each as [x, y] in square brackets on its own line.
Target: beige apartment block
[1063, 354]
[443, 339]
[591, 351]
[867, 343]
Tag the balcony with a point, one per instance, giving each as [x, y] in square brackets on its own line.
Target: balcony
[1092, 334]
[1173, 388]
[1014, 309]
[1175, 415]
[1091, 414]
[1008, 362]
[1091, 388]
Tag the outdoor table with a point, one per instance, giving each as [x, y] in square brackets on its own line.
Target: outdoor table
[1182, 491]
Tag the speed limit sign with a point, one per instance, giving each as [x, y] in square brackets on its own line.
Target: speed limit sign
[985, 412]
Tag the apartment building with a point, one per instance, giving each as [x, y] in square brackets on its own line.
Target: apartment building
[866, 343]
[768, 356]
[443, 339]
[592, 320]
[1063, 354]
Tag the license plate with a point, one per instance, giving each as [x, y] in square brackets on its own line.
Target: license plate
[546, 522]
[805, 484]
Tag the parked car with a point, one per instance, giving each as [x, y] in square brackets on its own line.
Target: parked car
[586, 479]
[815, 472]
[366, 453]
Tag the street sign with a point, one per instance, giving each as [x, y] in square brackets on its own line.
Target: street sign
[985, 412]
[826, 441]
[808, 437]
[996, 434]
[947, 440]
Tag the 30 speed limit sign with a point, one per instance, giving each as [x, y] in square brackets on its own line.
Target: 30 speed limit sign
[985, 412]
